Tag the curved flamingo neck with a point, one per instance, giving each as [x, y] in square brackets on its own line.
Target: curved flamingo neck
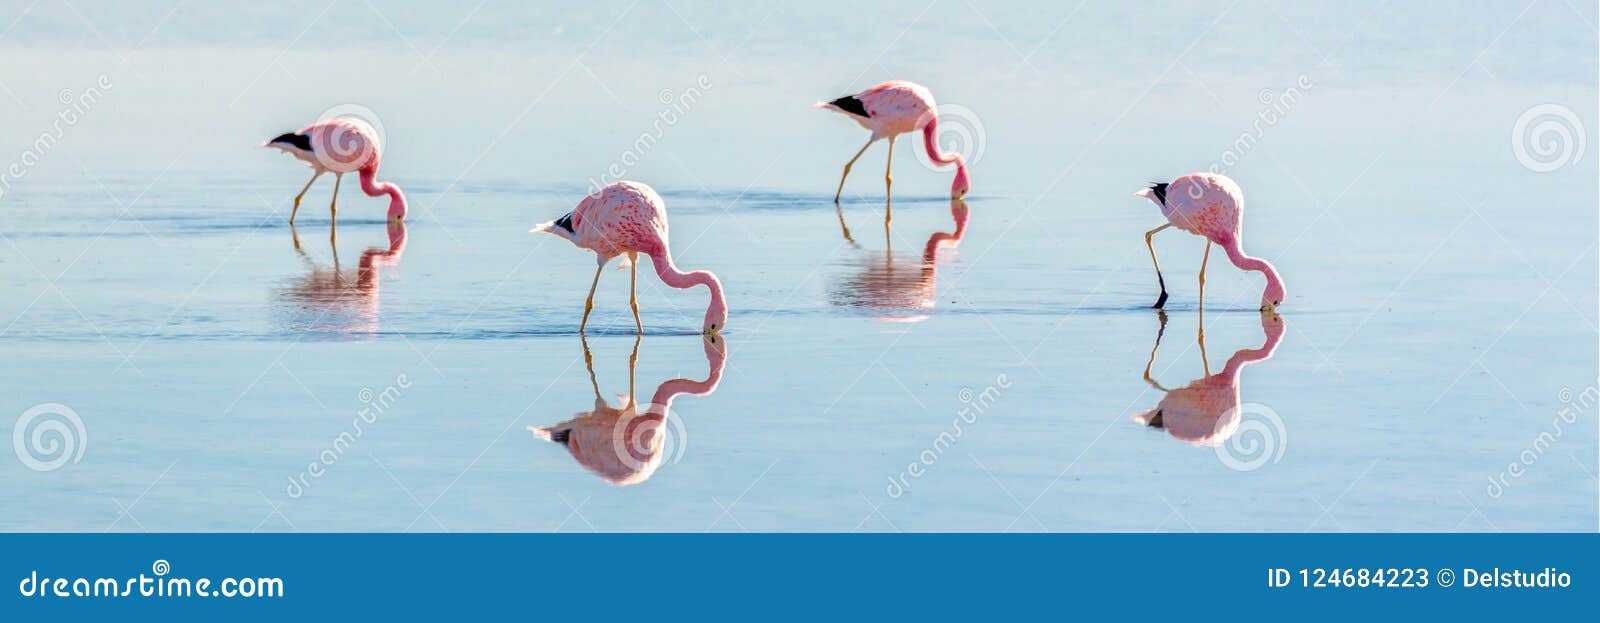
[716, 356]
[1248, 356]
[375, 188]
[374, 257]
[959, 212]
[930, 142]
[670, 275]
[1245, 262]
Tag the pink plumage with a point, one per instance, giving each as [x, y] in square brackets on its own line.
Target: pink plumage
[893, 108]
[630, 219]
[340, 145]
[1211, 206]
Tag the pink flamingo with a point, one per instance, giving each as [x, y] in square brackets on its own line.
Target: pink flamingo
[889, 110]
[340, 145]
[619, 444]
[1209, 205]
[629, 218]
[1206, 411]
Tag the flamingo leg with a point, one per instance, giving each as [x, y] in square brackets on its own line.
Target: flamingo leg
[633, 298]
[302, 195]
[588, 306]
[1159, 332]
[847, 166]
[333, 206]
[1150, 244]
[888, 184]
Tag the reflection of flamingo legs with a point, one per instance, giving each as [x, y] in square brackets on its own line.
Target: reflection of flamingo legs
[843, 227]
[1159, 332]
[588, 362]
[633, 365]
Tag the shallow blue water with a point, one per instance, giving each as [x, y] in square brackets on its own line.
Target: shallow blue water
[1441, 308]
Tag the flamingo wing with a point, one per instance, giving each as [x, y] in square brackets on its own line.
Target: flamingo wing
[850, 104]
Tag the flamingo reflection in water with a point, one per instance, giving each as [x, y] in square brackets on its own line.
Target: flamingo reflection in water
[1206, 411]
[339, 301]
[896, 289]
[626, 444]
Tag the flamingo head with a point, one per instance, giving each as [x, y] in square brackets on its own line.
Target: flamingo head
[716, 317]
[1273, 296]
[962, 184]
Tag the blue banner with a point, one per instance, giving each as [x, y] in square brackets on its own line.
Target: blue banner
[890, 577]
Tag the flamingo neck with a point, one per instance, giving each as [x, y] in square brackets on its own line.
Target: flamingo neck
[375, 188]
[959, 212]
[717, 311]
[716, 356]
[1245, 357]
[375, 257]
[930, 142]
[1245, 262]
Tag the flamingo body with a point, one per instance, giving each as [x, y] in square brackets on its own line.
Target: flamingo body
[336, 145]
[629, 218]
[890, 109]
[625, 217]
[1206, 205]
[1211, 206]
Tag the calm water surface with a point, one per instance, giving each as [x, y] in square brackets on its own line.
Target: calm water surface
[979, 366]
